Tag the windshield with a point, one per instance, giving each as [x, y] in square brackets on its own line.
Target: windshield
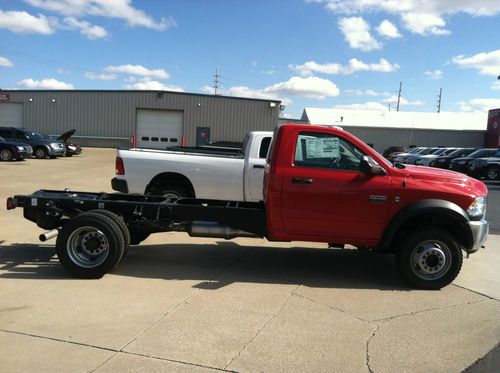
[482, 153]
[439, 151]
[35, 135]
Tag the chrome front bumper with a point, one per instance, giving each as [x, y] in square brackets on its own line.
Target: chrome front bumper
[479, 231]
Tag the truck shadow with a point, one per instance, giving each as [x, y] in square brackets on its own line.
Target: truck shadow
[224, 263]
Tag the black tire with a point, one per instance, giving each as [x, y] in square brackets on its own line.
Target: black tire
[6, 155]
[121, 224]
[40, 153]
[90, 261]
[429, 258]
[137, 237]
[493, 173]
[176, 191]
[53, 157]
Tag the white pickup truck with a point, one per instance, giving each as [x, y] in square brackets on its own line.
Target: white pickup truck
[202, 172]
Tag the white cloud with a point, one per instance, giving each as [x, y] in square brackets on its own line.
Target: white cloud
[366, 106]
[24, 23]
[423, 17]
[154, 85]
[121, 9]
[402, 101]
[96, 76]
[357, 33]
[388, 30]
[138, 70]
[434, 75]
[488, 63]
[425, 24]
[368, 92]
[495, 86]
[87, 29]
[49, 83]
[354, 65]
[286, 115]
[312, 87]
[480, 104]
[476, 8]
[5, 62]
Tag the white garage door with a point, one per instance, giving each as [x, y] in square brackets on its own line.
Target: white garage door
[11, 115]
[158, 129]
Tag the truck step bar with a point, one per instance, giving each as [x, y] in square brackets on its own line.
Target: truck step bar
[199, 217]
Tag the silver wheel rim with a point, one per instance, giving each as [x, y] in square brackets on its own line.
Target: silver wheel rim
[5, 155]
[40, 153]
[492, 173]
[171, 195]
[87, 247]
[430, 260]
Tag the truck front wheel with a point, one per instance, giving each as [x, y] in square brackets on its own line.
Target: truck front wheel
[90, 245]
[429, 258]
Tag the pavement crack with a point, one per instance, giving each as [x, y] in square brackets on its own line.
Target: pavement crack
[385, 319]
[262, 328]
[476, 292]
[367, 351]
[331, 307]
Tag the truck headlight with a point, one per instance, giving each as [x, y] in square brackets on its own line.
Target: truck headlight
[478, 207]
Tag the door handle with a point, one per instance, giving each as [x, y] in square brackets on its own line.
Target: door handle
[300, 180]
[258, 166]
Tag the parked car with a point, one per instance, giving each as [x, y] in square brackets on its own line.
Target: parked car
[43, 146]
[201, 172]
[489, 168]
[461, 164]
[443, 161]
[401, 157]
[13, 150]
[71, 148]
[392, 151]
[413, 157]
[427, 159]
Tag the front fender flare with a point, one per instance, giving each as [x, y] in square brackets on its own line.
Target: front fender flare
[424, 207]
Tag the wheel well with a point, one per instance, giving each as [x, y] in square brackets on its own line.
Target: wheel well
[170, 178]
[44, 147]
[435, 220]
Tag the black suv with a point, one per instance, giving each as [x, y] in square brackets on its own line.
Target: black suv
[10, 150]
[488, 168]
[43, 146]
[461, 164]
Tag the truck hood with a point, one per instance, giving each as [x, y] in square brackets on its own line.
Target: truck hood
[446, 178]
[66, 135]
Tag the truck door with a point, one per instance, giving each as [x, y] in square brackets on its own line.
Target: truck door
[325, 194]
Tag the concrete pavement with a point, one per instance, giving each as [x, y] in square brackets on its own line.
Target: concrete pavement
[184, 304]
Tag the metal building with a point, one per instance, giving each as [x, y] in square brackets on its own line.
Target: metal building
[157, 118]
[382, 129]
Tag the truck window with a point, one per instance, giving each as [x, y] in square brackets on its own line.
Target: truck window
[264, 147]
[321, 150]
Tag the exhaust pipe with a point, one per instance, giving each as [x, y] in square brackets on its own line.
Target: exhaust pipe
[49, 234]
[215, 230]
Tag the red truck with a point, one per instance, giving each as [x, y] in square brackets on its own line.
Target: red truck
[321, 184]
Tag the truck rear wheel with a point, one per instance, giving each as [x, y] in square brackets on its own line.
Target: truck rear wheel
[121, 224]
[429, 258]
[90, 245]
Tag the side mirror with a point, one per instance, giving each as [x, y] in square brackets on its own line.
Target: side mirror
[369, 166]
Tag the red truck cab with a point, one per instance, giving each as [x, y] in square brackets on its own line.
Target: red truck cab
[322, 184]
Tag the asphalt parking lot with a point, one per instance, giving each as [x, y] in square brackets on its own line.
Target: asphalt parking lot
[190, 304]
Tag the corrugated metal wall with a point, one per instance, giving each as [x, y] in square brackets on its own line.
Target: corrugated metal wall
[382, 138]
[108, 118]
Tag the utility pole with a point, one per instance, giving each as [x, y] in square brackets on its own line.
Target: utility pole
[439, 100]
[399, 95]
[216, 81]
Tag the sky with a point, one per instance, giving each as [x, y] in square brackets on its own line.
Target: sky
[306, 53]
